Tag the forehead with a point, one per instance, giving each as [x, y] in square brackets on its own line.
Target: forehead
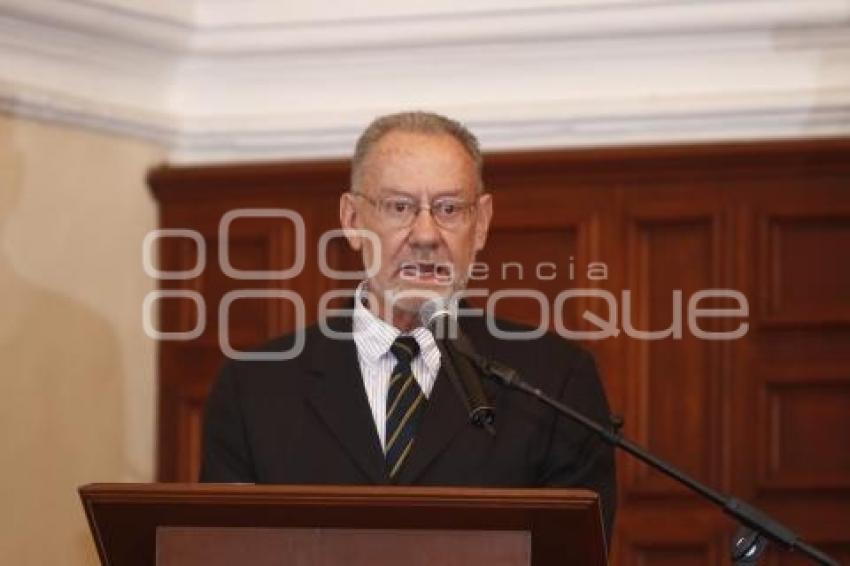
[419, 162]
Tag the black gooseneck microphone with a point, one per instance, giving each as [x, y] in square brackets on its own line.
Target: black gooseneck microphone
[438, 318]
[748, 543]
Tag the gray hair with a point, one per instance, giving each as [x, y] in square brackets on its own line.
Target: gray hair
[414, 122]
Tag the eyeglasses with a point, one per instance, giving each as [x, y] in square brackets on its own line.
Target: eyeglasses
[400, 212]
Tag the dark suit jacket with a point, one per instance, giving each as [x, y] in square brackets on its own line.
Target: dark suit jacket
[308, 421]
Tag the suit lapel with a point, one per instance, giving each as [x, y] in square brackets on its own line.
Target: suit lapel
[446, 415]
[339, 398]
[444, 418]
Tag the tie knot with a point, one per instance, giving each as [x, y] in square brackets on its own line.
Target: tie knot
[405, 348]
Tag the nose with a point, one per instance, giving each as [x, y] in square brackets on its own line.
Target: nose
[424, 231]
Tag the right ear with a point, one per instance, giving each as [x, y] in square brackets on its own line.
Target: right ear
[350, 220]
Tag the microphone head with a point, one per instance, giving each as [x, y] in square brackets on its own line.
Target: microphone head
[433, 311]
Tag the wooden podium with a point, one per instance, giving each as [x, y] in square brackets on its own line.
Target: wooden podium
[217, 525]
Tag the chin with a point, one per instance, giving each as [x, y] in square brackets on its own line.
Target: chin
[410, 296]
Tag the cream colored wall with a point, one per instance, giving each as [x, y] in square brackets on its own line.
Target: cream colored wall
[77, 379]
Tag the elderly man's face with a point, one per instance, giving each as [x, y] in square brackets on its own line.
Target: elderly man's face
[423, 257]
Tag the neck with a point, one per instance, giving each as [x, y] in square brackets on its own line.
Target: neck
[402, 319]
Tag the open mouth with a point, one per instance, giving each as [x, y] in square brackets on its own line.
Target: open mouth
[435, 271]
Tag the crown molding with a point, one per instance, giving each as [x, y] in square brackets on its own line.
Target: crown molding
[577, 21]
[504, 129]
[211, 86]
[62, 108]
[228, 140]
[210, 27]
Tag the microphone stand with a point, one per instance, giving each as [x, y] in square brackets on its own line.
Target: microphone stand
[750, 541]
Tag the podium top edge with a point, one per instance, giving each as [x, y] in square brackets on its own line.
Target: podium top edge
[443, 495]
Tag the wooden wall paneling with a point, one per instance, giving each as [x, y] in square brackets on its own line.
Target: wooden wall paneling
[338, 255]
[804, 262]
[839, 550]
[763, 417]
[800, 361]
[803, 414]
[181, 379]
[203, 197]
[791, 401]
[524, 258]
[183, 391]
[820, 517]
[190, 410]
[674, 404]
[562, 226]
[559, 225]
[649, 537]
[678, 553]
[252, 245]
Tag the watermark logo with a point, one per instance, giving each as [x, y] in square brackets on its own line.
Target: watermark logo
[693, 313]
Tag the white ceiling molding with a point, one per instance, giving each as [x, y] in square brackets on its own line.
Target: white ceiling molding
[271, 81]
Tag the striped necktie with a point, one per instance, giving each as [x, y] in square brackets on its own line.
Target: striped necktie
[405, 404]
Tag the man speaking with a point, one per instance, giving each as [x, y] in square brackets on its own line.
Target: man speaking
[379, 406]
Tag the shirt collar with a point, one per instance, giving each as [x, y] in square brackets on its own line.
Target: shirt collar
[374, 336]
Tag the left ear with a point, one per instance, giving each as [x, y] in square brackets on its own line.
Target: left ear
[482, 222]
[349, 221]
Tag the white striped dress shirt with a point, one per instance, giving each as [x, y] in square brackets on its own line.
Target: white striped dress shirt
[373, 338]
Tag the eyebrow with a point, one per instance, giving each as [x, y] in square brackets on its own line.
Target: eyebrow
[442, 194]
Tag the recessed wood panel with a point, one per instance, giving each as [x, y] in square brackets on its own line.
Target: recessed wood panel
[671, 538]
[806, 269]
[806, 424]
[675, 379]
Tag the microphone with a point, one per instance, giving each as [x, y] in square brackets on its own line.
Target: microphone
[436, 316]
